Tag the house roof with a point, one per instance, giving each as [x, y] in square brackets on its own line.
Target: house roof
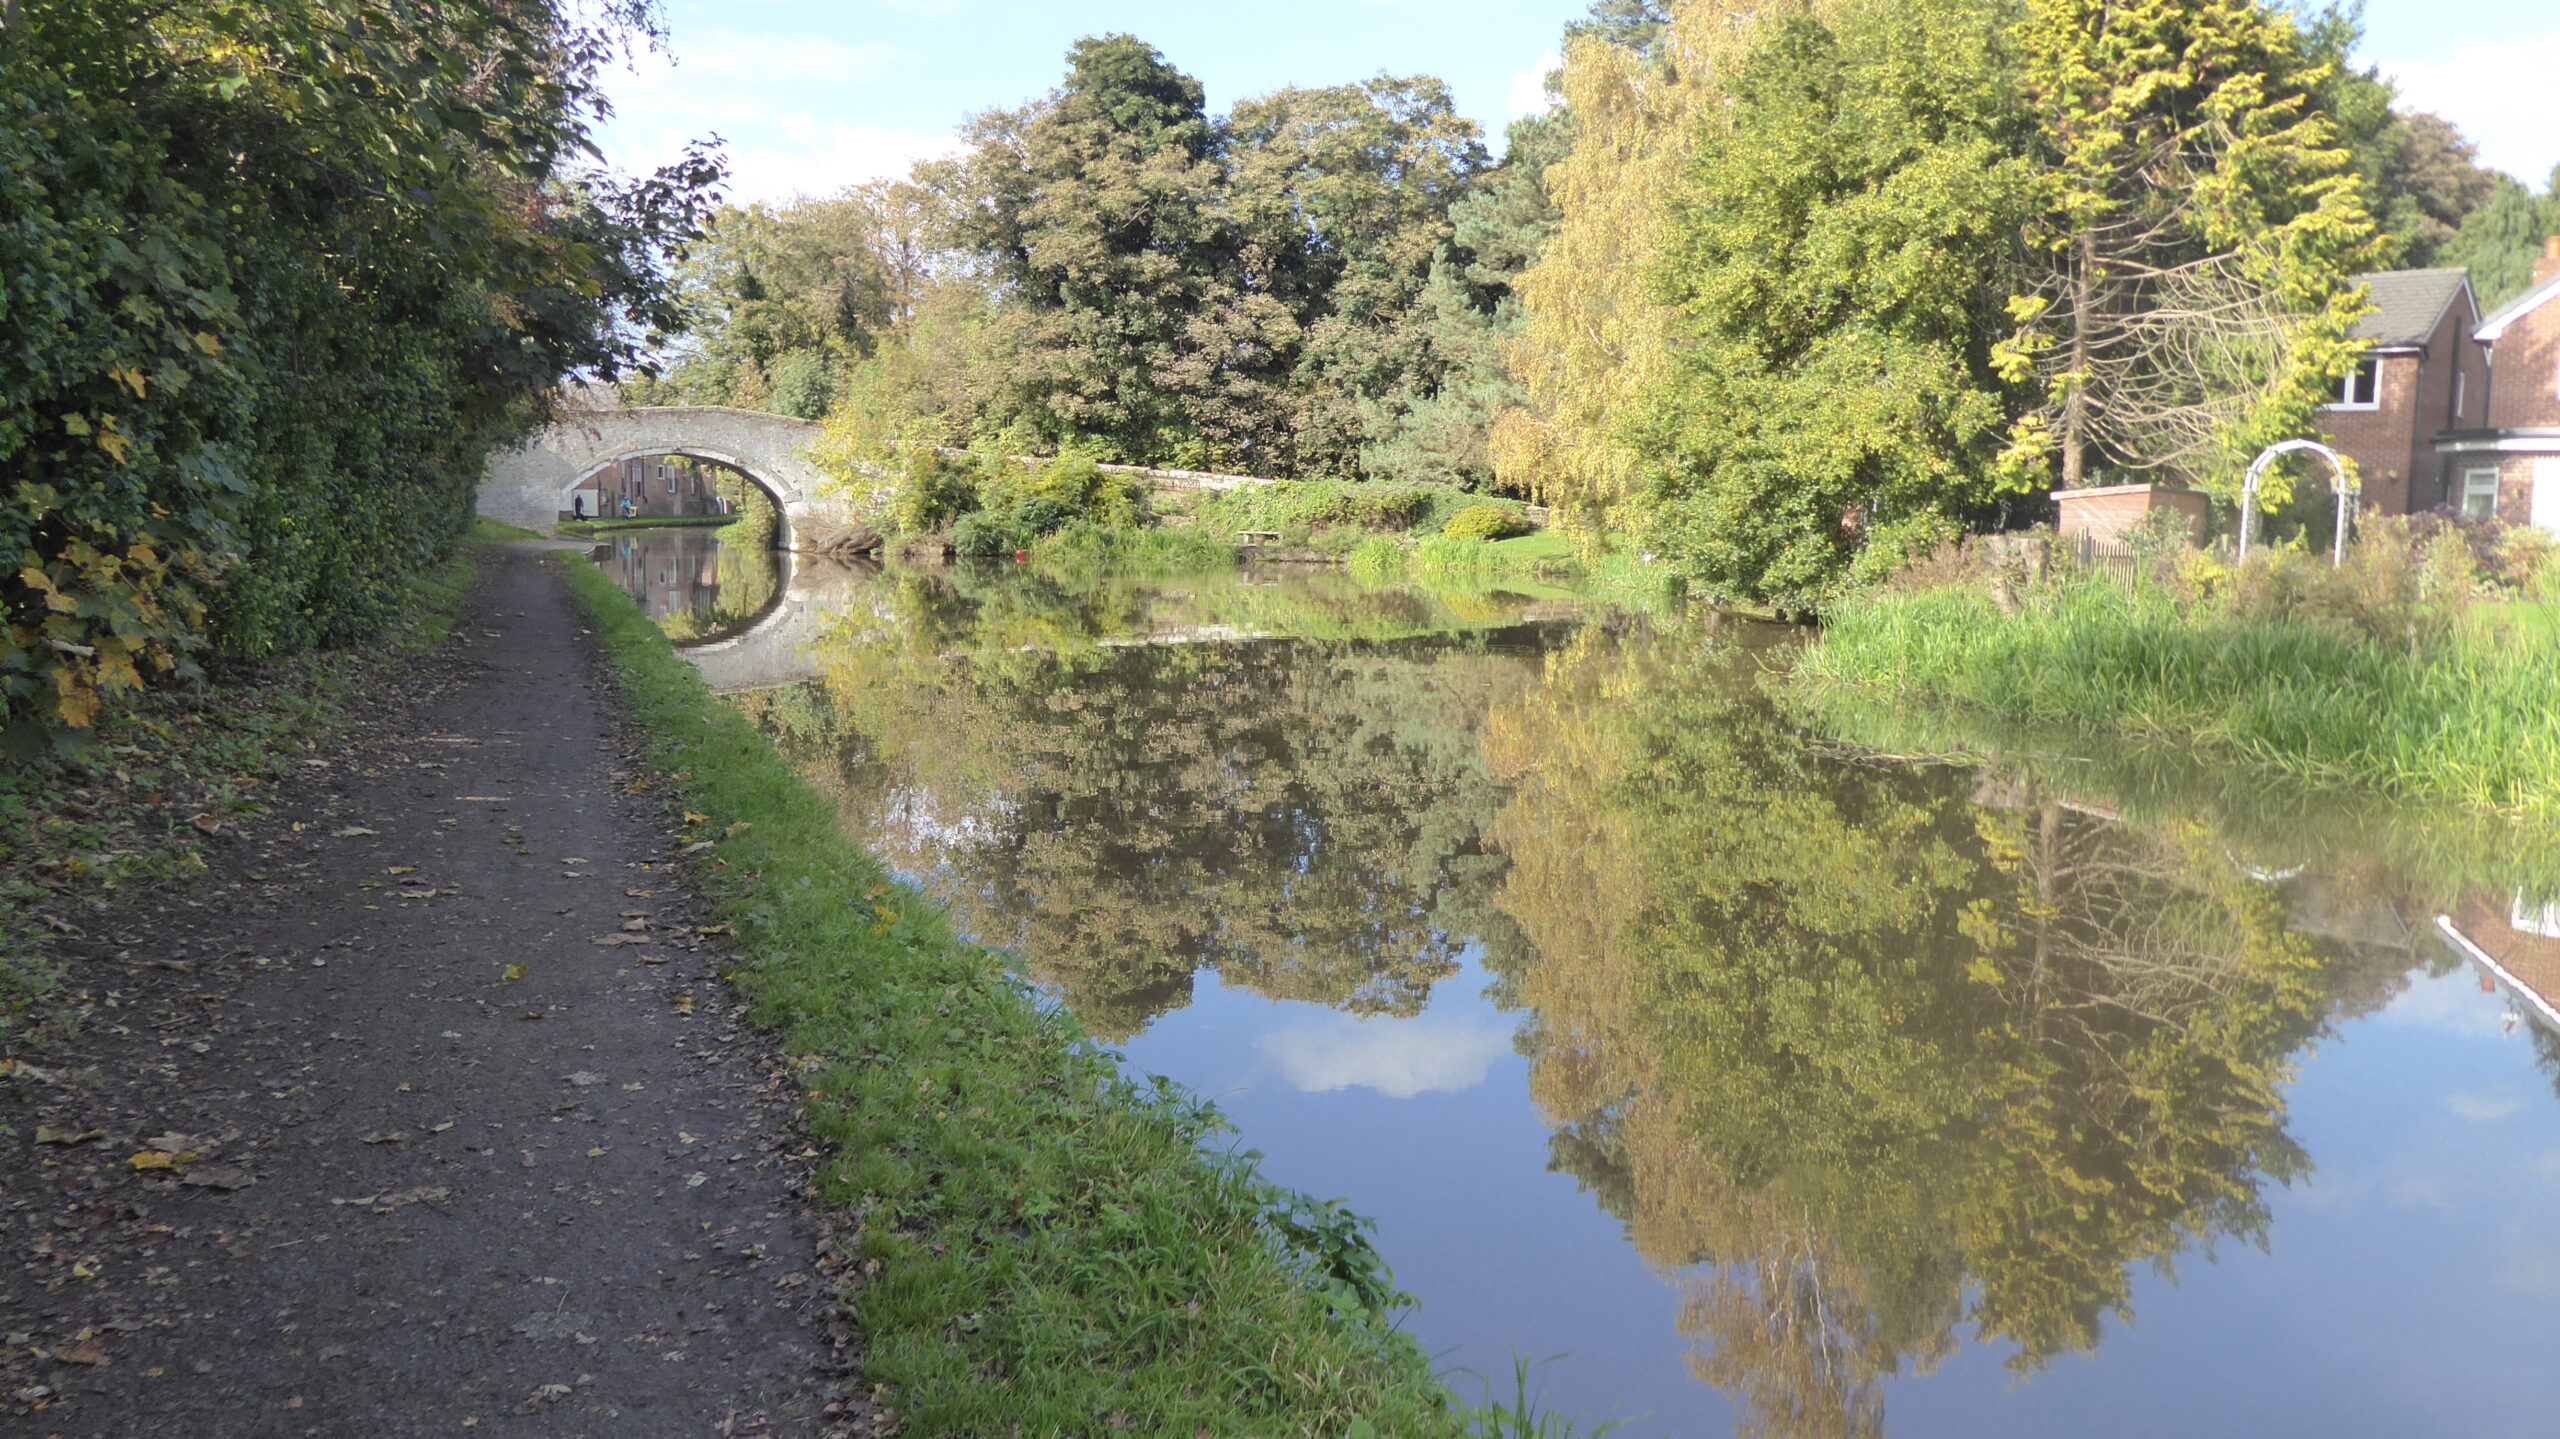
[2516, 309]
[2408, 304]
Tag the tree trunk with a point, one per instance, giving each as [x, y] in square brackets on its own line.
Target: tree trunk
[2075, 404]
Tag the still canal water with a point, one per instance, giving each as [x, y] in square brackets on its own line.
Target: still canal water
[1780, 1082]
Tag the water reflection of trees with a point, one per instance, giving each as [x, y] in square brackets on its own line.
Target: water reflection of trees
[1303, 818]
[1871, 1053]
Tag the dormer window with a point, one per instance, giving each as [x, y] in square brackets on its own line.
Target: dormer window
[2361, 388]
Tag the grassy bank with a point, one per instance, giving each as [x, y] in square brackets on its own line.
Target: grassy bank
[167, 772]
[582, 529]
[1050, 1248]
[2464, 715]
[1167, 551]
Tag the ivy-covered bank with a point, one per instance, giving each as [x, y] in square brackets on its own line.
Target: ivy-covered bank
[1049, 1247]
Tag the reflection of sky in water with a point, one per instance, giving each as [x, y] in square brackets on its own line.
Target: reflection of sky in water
[2411, 1287]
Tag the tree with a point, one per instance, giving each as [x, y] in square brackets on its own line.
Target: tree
[2198, 228]
[2500, 241]
[1098, 214]
[1436, 425]
[1342, 199]
[1594, 341]
[1829, 269]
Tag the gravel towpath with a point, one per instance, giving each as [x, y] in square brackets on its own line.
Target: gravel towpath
[427, 1113]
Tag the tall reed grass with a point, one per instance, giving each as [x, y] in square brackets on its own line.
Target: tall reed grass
[2469, 715]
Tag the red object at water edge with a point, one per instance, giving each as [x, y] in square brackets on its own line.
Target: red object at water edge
[1020, 555]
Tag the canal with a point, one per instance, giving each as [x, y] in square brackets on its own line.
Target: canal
[1750, 1065]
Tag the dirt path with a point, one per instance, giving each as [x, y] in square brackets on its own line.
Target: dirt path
[478, 1146]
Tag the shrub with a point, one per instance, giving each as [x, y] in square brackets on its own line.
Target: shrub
[269, 299]
[932, 491]
[985, 532]
[1485, 522]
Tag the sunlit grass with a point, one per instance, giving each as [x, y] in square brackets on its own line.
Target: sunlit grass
[2469, 719]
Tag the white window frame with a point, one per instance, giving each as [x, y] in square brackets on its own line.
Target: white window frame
[2473, 480]
[2369, 365]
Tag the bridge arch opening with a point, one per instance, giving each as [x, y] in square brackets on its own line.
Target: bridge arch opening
[677, 483]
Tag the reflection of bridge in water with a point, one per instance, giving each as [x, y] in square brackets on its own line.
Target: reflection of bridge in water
[776, 646]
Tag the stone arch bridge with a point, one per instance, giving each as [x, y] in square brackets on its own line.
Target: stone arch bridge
[529, 487]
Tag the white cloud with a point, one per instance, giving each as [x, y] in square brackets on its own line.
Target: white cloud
[1529, 88]
[2499, 93]
[767, 97]
[1399, 1058]
[830, 158]
[2482, 1108]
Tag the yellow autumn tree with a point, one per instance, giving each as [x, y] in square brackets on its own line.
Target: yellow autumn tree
[1596, 340]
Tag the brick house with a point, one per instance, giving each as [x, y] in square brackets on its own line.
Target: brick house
[2422, 379]
[656, 486]
[2508, 464]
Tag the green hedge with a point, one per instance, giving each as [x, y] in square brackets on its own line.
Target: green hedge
[275, 275]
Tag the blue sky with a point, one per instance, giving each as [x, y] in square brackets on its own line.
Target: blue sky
[813, 95]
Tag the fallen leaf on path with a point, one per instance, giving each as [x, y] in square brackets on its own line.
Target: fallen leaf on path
[711, 929]
[640, 893]
[352, 831]
[417, 893]
[378, 1137]
[439, 1128]
[684, 1004]
[84, 1351]
[155, 1159]
[402, 869]
[385, 1203]
[610, 940]
[221, 1176]
[511, 974]
[47, 1135]
[207, 823]
[651, 959]
[634, 926]
[698, 846]
[585, 1078]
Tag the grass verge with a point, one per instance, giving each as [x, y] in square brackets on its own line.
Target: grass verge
[486, 531]
[1050, 1246]
[582, 529]
[167, 772]
[2467, 719]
